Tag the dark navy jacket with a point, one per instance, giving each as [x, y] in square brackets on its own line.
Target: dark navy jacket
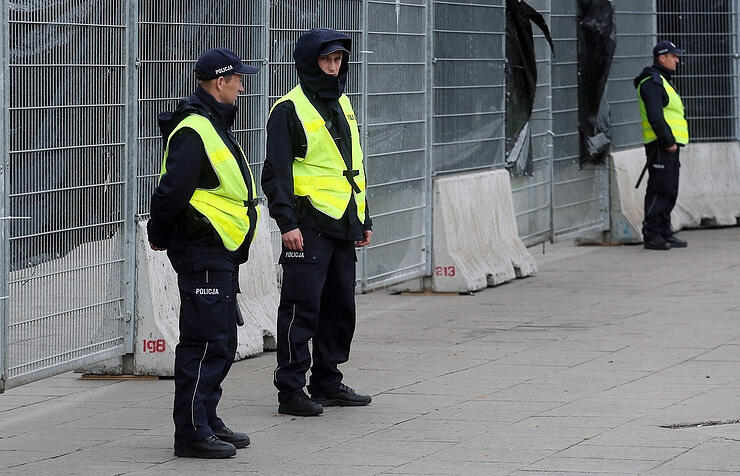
[286, 140]
[191, 241]
[655, 98]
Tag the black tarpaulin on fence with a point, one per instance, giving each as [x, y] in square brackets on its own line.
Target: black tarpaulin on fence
[521, 82]
[597, 40]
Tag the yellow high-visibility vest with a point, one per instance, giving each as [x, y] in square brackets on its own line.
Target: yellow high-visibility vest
[226, 205]
[673, 114]
[322, 175]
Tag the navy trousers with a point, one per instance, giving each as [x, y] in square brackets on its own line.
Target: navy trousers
[205, 352]
[662, 191]
[317, 302]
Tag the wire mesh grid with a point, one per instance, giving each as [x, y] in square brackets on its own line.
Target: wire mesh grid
[532, 194]
[636, 25]
[66, 175]
[706, 78]
[579, 195]
[170, 41]
[469, 85]
[396, 149]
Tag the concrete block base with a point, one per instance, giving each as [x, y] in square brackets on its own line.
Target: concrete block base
[708, 195]
[476, 243]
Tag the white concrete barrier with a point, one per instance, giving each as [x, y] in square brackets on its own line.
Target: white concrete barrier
[156, 330]
[709, 189]
[475, 240]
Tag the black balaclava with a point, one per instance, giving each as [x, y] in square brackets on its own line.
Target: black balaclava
[306, 57]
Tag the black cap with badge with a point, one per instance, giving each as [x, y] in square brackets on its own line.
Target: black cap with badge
[666, 46]
[221, 62]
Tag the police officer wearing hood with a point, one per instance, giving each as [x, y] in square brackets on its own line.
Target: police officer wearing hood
[203, 213]
[314, 181]
[664, 130]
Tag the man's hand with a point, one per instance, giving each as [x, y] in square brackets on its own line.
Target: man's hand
[366, 237]
[155, 248]
[672, 148]
[293, 240]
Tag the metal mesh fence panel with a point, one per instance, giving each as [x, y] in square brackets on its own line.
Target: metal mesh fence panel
[469, 84]
[635, 40]
[170, 41]
[532, 195]
[396, 145]
[707, 75]
[66, 174]
[579, 195]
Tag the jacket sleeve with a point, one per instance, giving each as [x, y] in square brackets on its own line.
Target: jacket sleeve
[277, 173]
[655, 99]
[185, 161]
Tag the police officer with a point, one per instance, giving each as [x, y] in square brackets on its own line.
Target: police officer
[314, 181]
[203, 213]
[664, 130]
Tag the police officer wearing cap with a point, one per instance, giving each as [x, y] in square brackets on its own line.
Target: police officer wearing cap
[314, 180]
[664, 131]
[203, 212]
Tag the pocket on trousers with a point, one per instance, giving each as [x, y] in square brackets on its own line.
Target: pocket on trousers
[206, 305]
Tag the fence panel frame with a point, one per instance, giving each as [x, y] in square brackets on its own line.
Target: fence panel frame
[4, 185]
[131, 191]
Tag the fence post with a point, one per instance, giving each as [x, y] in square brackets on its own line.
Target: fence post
[735, 67]
[131, 187]
[429, 159]
[365, 58]
[4, 184]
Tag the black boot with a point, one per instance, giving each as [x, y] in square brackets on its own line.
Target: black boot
[343, 396]
[656, 243]
[210, 448]
[675, 242]
[239, 440]
[299, 404]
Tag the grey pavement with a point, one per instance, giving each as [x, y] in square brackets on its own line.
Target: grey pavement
[573, 371]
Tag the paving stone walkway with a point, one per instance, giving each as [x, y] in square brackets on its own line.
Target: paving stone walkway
[574, 371]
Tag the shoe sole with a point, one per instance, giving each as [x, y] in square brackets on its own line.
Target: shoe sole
[289, 412]
[188, 453]
[239, 444]
[337, 402]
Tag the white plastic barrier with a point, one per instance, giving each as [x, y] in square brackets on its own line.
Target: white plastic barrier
[476, 242]
[709, 189]
[157, 307]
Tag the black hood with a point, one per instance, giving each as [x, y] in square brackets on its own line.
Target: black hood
[306, 57]
[202, 103]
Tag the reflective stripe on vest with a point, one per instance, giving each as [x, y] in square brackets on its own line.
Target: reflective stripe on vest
[224, 206]
[322, 174]
[673, 114]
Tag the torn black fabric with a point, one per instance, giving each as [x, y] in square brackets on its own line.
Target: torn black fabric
[521, 82]
[597, 40]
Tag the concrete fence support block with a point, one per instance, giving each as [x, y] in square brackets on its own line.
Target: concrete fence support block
[158, 302]
[709, 191]
[475, 239]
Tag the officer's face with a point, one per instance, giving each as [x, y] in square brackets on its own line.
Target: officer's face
[230, 87]
[330, 63]
[669, 61]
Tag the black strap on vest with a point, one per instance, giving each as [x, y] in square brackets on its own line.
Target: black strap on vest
[351, 174]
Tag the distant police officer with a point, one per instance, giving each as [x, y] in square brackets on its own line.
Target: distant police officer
[314, 181]
[664, 129]
[203, 213]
